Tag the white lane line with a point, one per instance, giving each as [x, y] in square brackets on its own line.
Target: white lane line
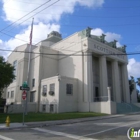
[63, 134]
[5, 138]
[136, 122]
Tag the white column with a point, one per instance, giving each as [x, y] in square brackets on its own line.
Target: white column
[103, 76]
[88, 78]
[85, 79]
[109, 93]
[116, 85]
[126, 92]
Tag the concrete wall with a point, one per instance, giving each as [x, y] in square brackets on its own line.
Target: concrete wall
[49, 99]
[19, 108]
[103, 107]
[20, 74]
[68, 103]
[72, 65]
[62, 102]
[67, 64]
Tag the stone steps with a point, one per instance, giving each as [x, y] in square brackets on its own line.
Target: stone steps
[123, 108]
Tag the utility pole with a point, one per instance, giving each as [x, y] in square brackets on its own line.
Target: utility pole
[29, 63]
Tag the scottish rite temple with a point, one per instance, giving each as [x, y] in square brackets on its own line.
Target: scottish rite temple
[81, 73]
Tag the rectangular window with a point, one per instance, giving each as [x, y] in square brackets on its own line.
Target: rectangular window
[15, 67]
[33, 82]
[69, 89]
[32, 97]
[51, 108]
[44, 92]
[12, 94]
[8, 94]
[44, 108]
[52, 89]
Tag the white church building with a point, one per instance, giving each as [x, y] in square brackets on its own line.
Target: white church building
[81, 73]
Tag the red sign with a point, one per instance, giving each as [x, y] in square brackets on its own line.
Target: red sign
[24, 95]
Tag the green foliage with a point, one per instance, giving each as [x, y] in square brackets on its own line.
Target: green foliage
[138, 82]
[34, 117]
[131, 84]
[6, 74]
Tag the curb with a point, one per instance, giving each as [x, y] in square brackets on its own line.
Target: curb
[70, 121]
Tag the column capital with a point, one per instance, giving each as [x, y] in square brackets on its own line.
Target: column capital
[114, 60]
[108, 88]
[102, 56]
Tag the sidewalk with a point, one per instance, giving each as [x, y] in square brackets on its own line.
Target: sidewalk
[59, 122]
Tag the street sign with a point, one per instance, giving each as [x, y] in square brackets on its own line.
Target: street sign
[25, 84]
[24, 95]
[24, 88]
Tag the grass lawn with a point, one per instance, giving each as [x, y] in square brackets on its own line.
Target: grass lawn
[34, 117]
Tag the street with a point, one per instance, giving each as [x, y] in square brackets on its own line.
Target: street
[105, 129]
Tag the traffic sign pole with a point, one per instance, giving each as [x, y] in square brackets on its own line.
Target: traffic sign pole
[26, 89]
[23, 111]
[24, 98]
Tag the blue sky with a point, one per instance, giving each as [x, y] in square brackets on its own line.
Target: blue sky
[118, 19]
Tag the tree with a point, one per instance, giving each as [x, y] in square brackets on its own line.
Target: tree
[131, 85]
[6, 74]
[138, 83]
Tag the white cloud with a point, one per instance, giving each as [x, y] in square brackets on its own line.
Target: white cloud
[109, 36]
[40, 32]
[97, 31]
[14, 10]
[49, 14]
[133, 68]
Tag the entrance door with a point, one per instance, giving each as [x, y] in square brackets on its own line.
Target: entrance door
[97, 94]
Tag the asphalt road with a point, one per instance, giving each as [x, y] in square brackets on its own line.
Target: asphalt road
[105, 129]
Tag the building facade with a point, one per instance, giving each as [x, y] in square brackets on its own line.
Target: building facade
[80, 73]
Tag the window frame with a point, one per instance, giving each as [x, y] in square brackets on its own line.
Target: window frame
[8, 94]
[52, 89]
[33, 82]
[69, 89]
[12, 94]
[43, 107]
[15, 68]
[44, 91]
[53, 84]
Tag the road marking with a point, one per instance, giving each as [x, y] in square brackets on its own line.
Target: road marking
[111, 129]
[111, 124]
[63, 134]
[5, 138]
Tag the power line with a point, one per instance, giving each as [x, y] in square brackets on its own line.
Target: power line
[131, 53]
[39, 11]
[135, 6]
[24, 16]
[64, 42]
[26, 20]
[71, 26]
[89, 16]
[14, 37]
